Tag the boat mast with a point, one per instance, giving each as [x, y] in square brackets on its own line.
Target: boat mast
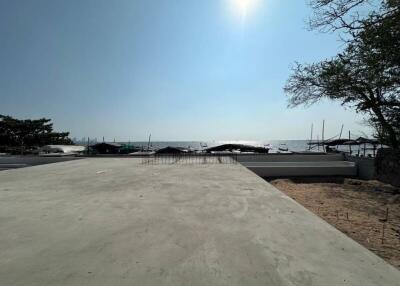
[350, 142]
[340, 135]
[323, 135]
[341, 132]
[148, 144]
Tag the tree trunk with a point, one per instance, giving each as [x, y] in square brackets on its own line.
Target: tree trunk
[394, 143]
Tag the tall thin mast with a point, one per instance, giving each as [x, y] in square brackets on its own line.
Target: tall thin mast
[323, 135]
[148, 144]
[341, 131]
[350, 142]
[340, 135]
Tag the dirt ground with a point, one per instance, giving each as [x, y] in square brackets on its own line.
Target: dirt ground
[366, 211]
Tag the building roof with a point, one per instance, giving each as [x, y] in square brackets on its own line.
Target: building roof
[335, 142]
[172, 150]
[363, 140]
[112, 144]
[240, 147]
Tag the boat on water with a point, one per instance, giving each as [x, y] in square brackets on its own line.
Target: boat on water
[283, 147]
[203, 145]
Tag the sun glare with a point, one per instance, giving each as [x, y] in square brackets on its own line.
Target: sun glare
[243, 8]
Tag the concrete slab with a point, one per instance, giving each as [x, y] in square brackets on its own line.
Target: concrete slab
[118, 222]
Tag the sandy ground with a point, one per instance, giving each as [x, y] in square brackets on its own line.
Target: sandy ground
[366, 211]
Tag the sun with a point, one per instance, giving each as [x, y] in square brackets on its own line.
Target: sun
[243, 7]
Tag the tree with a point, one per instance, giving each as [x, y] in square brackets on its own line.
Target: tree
[366, 75]
[29, 133]
[350, 15]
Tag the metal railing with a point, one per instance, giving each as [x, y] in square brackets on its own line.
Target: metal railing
[190, 159]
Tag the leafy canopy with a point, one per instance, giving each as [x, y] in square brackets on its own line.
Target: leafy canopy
[366, 74]
[29, 133]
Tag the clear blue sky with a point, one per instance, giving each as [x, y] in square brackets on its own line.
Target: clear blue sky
[179, 69]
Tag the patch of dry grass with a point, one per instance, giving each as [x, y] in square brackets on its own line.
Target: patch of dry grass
[366, 211]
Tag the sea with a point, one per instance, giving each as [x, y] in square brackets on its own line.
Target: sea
[273, 145]
[292, 145]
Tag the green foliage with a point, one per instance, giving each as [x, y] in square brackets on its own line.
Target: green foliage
[29, 133]
[366, 75]
[350, 15]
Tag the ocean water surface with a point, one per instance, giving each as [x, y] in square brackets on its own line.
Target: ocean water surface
[292, 145]
[273, 145]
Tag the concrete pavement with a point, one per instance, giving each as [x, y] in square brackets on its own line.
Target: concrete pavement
[119, 222]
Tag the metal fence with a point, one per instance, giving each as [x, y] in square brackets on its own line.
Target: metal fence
[190, 158]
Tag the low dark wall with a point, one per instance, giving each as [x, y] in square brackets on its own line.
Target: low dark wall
[365, 167]
[289, 157]
[388, 166]
[7, 162]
